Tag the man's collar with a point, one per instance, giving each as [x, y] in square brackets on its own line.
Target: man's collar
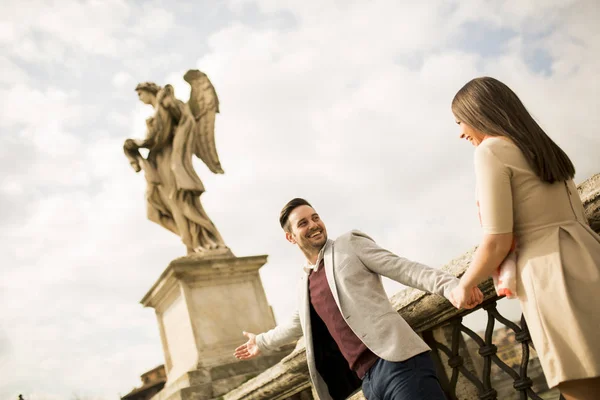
[308, 267]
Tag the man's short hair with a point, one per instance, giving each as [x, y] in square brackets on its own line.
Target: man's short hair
[287, 210]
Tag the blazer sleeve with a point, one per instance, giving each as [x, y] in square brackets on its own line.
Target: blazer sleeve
[494, 191]
[270, 341]
[402, 270]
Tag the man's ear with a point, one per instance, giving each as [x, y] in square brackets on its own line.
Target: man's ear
[290, 238]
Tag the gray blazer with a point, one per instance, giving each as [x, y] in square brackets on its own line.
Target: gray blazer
[354, 264]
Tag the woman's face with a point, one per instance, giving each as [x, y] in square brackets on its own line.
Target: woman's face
[469, 133]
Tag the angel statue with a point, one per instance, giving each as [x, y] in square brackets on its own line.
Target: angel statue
[176, 131]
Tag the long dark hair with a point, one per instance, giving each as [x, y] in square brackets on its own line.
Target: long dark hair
[491, 107]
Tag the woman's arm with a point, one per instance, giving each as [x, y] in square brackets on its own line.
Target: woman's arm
[496, 213]
[489, 255]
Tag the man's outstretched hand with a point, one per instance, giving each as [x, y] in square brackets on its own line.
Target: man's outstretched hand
[249, 349]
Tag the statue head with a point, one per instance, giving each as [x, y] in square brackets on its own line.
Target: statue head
[147, 92]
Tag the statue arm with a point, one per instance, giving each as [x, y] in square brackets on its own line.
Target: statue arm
[131, 146]
[155, 127]
[132, 153]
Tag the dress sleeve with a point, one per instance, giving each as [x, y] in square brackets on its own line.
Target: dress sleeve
[494, 192]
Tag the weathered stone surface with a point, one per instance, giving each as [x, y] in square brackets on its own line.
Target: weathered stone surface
[222, 386]
[210, 383]
[357, 396]
[421, 310]
[306, 394]
[590, 195]
[203, 303]
[281, 381]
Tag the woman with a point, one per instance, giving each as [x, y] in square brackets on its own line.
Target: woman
[525, 188]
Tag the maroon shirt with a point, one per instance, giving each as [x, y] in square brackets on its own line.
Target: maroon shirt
[359, 357]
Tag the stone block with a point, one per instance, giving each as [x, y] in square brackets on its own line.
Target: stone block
[202, 304]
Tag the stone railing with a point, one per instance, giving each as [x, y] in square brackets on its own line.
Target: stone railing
[463, 375]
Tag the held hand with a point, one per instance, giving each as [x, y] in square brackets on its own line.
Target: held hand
[476, 296]
[467, 298]
[249, 349]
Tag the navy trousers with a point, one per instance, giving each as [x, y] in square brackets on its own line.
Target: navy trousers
[412, 379]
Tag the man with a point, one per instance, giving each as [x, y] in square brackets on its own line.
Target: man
[351, 330]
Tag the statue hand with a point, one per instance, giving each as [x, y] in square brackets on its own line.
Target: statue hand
[131, 152]
[136, 166]
[130, 144]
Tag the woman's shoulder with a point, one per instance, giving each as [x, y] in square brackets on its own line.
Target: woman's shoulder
[501, 152]
[496, 146]
[498, 142]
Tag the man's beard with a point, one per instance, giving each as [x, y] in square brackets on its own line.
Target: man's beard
[316, 245]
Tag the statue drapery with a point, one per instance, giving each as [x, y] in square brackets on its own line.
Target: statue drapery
[175, 133]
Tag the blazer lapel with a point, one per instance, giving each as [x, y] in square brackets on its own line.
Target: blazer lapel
[329, 272]
[303, 304]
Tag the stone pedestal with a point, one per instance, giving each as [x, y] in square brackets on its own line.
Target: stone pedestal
[203, 303]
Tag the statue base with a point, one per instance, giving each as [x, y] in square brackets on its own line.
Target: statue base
[213, 383]
[203, 302]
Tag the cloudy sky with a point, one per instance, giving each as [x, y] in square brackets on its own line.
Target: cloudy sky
[346, 103]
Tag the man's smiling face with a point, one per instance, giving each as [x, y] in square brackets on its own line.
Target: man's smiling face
[306, 229]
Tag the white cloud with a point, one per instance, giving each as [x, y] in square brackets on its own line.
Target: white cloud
[47, 32]
[34, 108]
[88, 25]
[153, 22]
[121, 79]
[11, 73]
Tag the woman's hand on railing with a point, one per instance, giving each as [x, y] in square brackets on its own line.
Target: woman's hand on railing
[249, 349]
[467, 298]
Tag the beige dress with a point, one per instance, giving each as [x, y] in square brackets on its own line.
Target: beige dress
[558, 268]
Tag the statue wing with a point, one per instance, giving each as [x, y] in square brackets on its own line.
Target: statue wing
[204, 105]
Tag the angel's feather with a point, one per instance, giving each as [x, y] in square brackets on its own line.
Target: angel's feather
[204, 105]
